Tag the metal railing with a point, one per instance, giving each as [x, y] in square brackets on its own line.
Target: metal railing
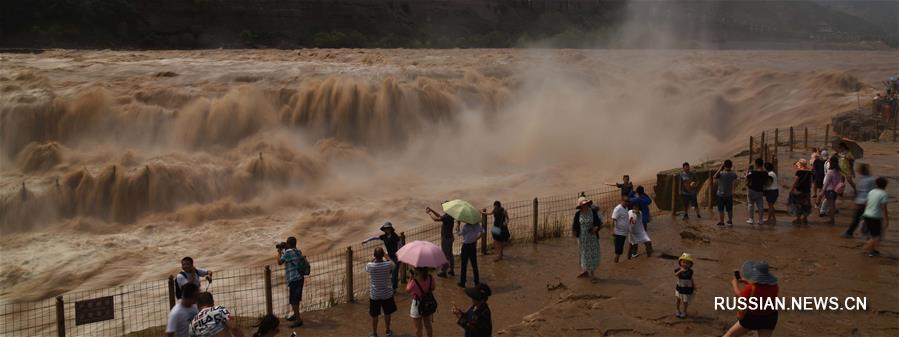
[337, 277]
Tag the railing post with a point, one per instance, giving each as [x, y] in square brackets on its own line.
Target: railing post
[268, 290]
[350, 295]
[895, 118]
[536, 212]
[403, 267]
[791, 139]
[751, 141]
[763, 149]
[484, 235]
[171, 291]
[826, 135]
[675, 185]
[60, 317]
[805, 140]
[776, 139]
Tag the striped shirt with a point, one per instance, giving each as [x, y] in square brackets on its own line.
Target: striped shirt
[381, 285]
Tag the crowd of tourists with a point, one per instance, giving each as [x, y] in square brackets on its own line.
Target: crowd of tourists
[818, 182]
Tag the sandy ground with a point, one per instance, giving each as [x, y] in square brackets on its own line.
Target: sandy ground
[635, 297]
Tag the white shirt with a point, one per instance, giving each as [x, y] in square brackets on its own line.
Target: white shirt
[180, 318]
[619, 218]
[381, 286]
[637, 233]
[181, 280]
[773, 186]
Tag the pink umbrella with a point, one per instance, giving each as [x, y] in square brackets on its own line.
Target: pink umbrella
[421, 254]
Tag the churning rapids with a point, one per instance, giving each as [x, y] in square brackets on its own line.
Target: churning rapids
[114, 164]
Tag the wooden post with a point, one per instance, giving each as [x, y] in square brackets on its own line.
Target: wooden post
[350, 295]
[805, 140]
[776, 139]
[268, 290]
[675, 185]
[895, 118]
[60, 317]
[826, 135]
[751, 141]
[171, 291]
[535, 215]
[791, 139]
[484, 235]
[763, 149]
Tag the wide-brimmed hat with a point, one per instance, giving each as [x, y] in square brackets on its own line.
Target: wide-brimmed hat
[480, 292]
[802, 164]
[757, 272]
[685, 257]
[583, 201]
[387, 225]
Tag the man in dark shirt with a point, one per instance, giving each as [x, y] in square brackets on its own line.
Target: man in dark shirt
[757, 179]
[446, 239]
[391, 245]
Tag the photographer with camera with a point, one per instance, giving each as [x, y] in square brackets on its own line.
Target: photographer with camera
[190, 274]
[296, 268]
[381, 299]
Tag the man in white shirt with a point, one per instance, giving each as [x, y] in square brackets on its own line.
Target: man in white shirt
[381, 299]
[213, 320]
[190, 274]
[183, 312]
[620, 219]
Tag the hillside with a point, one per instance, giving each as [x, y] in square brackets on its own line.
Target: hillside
[441, 24]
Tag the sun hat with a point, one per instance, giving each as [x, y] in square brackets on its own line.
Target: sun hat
[387, 225]
[480, 292]
[824, 153]
[685, 257]
[757, 272]
[583, 201]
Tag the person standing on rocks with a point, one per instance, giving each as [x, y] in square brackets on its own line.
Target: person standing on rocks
[585, 227]
[620, 220]
[800, 194]
[688, 191]
[757, 180]
[726, 178]
[772, 191]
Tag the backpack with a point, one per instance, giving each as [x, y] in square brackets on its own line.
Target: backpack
[427, 304]
[305, 267]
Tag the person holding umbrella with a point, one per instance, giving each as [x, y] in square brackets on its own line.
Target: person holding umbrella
[470, 232]
[391, 245]
[586, 228]
[422, 255]
[447, 226]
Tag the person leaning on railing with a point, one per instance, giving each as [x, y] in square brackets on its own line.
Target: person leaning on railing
[292, 259]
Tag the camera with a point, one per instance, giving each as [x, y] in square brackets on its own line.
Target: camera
[281, 245]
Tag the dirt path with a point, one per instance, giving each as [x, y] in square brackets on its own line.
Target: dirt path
[635, 297]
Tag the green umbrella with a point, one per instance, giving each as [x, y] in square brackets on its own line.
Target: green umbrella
[462, 211]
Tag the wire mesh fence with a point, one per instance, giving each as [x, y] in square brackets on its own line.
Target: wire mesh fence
[140, 309]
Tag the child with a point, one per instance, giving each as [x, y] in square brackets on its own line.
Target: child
[685, 285]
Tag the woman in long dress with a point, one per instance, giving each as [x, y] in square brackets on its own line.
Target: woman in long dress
[586, 228]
